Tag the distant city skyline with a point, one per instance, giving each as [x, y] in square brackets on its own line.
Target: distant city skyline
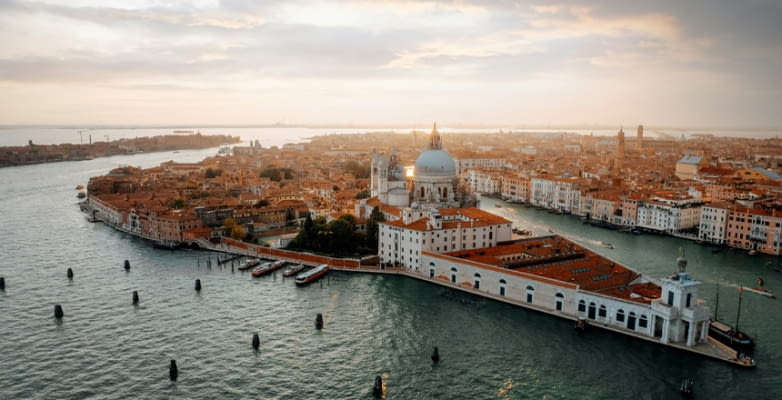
[391, 63]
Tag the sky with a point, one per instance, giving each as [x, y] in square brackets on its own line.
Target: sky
[708, 63]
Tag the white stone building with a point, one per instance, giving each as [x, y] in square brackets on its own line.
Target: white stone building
[559, 277]
[402, 242]
[670, 213]
[714, 222]
[434, 179]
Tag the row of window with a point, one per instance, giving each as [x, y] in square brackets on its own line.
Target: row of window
[602, 312]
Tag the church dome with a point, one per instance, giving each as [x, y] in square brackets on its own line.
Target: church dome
[435, 162]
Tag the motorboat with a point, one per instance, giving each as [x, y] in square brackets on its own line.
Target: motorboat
[312, 275]
[248, 264]
[292, 269]
[267, 268]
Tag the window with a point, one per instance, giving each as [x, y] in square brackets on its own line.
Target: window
[502, 287]
[582, 306]
[620, 316]
[642, 323]
[602, 311]
[670, 297]
[560, 300]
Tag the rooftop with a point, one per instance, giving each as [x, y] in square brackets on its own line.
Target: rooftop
[557, 258]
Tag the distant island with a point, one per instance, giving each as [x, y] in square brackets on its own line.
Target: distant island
[38, 154]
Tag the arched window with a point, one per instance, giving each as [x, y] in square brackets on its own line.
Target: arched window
[620, 315]
[582, 306]
[422, 191]
[560, 300]
[643, 322]
[592, 311]
[445, 192]
[477, 283]
[530, 293]
[502, 287]
[453, 274]
[601, 312]
[631, 321]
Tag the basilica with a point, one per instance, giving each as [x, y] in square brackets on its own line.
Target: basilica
[432, 184]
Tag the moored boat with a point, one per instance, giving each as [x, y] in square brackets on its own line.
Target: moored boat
[268, 267]
[292, 269]
[248, 264]
[735, 339]
[312, 275]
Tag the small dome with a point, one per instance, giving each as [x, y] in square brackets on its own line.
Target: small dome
[435, 162]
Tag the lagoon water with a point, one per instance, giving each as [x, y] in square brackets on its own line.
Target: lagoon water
[107, 348]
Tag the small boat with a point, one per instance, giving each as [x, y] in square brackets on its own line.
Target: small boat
[686, 388]
[752, 252]
[248, 264]
[606, 244]
[292, 269]
[80, 187]
[761, 291]
[312, 275]
[81, 195]
[268, 267]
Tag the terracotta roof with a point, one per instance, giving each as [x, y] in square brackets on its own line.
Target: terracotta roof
[559, 259]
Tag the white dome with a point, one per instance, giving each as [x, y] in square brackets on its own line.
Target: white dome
[435, 162]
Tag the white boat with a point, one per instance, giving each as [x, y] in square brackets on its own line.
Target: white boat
[268, 267]
[312, 275]
[248, 264]
[292, 269]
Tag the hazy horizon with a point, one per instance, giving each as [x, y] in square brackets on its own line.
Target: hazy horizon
[358, 63]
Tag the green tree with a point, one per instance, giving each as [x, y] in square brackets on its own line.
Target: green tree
[375, 217]
[272, 173]
[177, 203]
[213, 173]
[359, 171]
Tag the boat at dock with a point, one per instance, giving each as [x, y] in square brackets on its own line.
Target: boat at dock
[292, 269]
[267, 268]
[735, 339]
[248, 264]
[728, 335]
[312, 275]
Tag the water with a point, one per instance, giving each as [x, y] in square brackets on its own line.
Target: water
[374, 325]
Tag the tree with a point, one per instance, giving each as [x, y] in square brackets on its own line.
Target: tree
[177, 203]
[212, 173]
[364, 194]
[359, 171]
[272, 173]
[235, 230]
[375, 217]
